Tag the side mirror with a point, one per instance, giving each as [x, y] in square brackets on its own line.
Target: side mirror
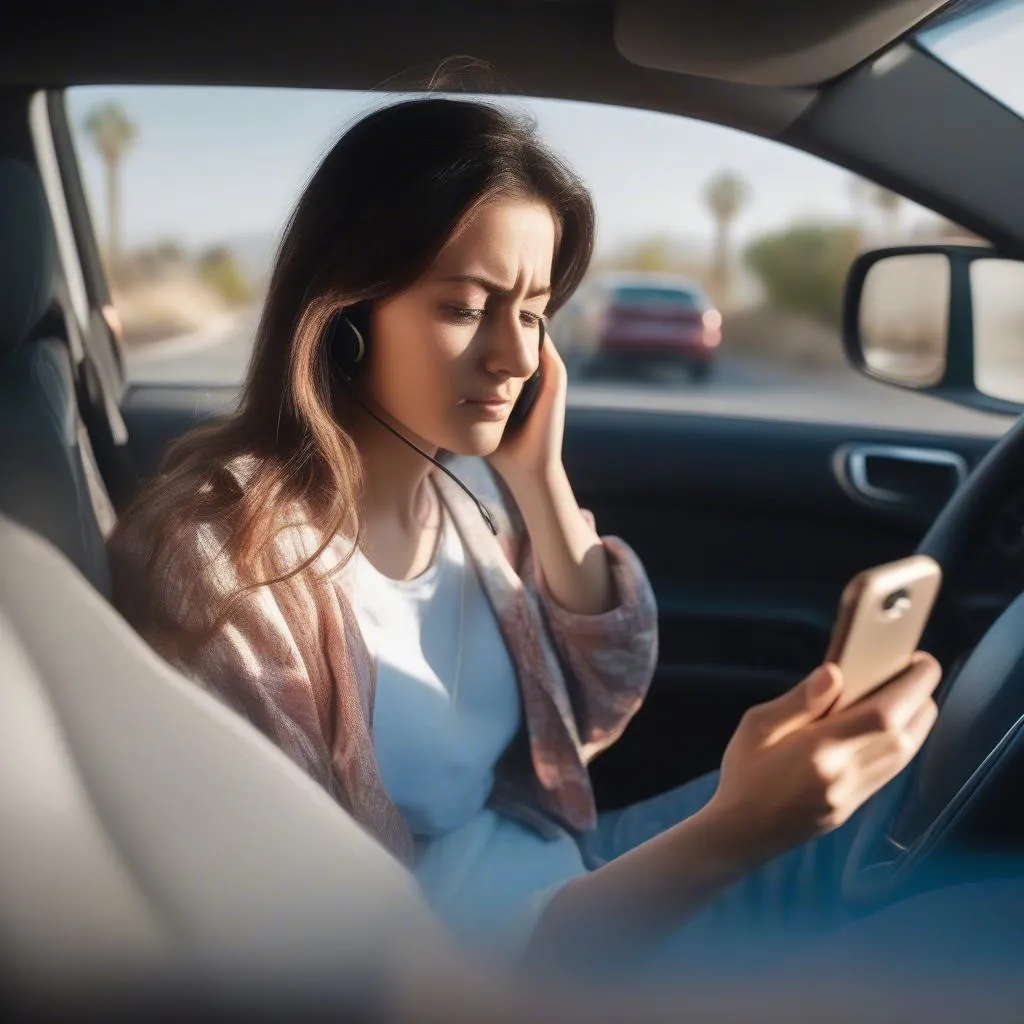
[947, 320]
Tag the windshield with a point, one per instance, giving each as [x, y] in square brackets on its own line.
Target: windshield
[983, 41]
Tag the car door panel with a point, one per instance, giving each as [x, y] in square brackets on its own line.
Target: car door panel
[157, 415]
[748, 531]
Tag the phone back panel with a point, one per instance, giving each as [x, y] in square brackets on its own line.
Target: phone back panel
[882, 614]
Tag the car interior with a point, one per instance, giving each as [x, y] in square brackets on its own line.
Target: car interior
[159, 855]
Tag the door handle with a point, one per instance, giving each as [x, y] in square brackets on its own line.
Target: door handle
[892, 475]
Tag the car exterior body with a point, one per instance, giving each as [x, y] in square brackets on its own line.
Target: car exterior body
[623, 321]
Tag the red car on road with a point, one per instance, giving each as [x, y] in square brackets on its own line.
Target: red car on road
[617, 322]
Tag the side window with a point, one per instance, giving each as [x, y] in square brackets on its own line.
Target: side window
[189, 189]
[719, 265]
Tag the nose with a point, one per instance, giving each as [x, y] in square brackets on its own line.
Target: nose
[513, 349]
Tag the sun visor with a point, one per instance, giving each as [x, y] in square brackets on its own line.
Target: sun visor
[796, 43]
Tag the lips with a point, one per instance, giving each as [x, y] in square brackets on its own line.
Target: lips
[491, 407]
[493, 401]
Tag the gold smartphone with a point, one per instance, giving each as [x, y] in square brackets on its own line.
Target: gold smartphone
[882, 614]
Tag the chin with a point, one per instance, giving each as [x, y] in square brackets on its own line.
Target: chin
[481, 441]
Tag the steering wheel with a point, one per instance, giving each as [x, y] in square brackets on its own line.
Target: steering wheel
[979, 735]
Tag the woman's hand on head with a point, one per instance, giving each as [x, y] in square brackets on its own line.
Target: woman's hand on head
[529, 454]
[792, 771]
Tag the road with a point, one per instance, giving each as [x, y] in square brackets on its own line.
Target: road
[736, 387]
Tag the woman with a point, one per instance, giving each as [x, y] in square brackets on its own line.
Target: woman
[307, 560]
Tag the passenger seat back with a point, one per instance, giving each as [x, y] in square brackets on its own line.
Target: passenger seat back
[48, 476]
[145, 824]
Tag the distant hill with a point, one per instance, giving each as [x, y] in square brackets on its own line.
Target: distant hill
[165, 290]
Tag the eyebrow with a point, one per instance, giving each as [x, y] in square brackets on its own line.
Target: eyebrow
[493, 287]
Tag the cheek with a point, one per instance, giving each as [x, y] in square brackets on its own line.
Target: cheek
[414, 364]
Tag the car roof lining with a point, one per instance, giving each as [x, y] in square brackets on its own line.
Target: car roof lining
[748, 41]
[196, 43]
[612, 57]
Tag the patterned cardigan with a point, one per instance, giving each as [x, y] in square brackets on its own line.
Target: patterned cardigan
[292, 660]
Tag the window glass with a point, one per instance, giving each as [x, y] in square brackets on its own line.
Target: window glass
[982, 41]
[719, 268]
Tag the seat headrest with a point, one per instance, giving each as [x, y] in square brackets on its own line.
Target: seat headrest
[26, 253]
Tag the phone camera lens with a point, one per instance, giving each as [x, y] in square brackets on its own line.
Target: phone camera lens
[896, 603]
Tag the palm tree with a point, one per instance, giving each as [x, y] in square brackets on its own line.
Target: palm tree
[725, 194]
[860, 189]
[889, 205]
[112, 133]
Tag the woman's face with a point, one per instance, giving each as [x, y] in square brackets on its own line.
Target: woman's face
[449, 355]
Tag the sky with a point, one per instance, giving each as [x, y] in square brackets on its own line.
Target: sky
[212, 164]
[986, 48]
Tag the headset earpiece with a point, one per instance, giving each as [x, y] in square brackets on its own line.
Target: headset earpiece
[348, 345]
[360, 341]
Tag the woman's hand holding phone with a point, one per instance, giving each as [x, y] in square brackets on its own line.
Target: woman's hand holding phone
[793, 770]
[532, 451]
[568, 553]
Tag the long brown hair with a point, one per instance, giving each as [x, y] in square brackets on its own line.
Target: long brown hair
[374, 216]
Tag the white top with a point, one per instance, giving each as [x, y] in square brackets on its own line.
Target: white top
[440, 723]
[437, 744]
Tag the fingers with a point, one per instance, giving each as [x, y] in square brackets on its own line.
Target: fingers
[804, 703]
[553, 372]
[919, 729]
[550, 358]
[893, 706]
[901, 744]
[877, 761]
